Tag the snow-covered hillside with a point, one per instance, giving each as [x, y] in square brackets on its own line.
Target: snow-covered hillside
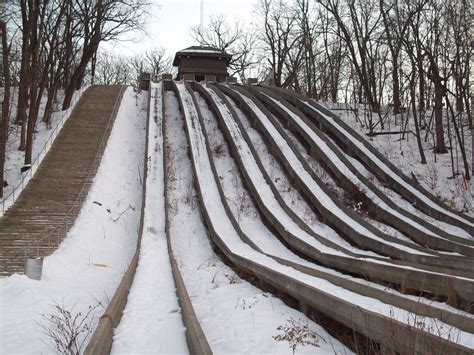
[436, 176]
[266, 227]
[86, 269]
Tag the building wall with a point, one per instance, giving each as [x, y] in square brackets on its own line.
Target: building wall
[203, 66]
[206, 65]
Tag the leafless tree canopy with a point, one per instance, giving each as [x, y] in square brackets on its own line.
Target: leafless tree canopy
[233, 39]
[389, 54]
[52, 45]
[398, 55]
[119, 69]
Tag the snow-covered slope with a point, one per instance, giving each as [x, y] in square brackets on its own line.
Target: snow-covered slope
[88, 266]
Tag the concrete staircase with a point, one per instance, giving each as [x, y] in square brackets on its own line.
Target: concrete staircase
[50, 203]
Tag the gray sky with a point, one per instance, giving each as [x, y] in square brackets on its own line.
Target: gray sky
[170, 21]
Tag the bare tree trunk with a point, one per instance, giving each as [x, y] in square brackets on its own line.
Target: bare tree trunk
[75, 80]
[421, 78]
[68, 48]
[24, 77]
[440, 147]
[415, 119]
[34, 12]
[93, 65]
[460, 141]
[53, 89]
[397, 104]
[4, 118]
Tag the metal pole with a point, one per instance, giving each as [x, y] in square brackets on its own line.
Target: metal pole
[202, 15]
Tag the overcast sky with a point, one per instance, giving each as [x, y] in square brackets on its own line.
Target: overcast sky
[170, 22]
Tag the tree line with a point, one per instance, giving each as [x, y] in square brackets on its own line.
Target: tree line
[50, 46]
[402, 56]
[408, 58]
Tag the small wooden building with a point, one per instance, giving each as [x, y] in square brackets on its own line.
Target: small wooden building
[202, 63]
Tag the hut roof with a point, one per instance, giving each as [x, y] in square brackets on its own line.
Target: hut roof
[199, 51]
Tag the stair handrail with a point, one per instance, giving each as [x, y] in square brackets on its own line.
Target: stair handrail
[93, 167]
[10, 199]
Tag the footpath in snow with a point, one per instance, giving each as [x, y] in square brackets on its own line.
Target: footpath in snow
[88, 266]
[151, 321]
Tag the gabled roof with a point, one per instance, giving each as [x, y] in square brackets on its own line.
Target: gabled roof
[200, 51]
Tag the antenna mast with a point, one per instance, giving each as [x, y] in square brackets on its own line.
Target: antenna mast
[202, 14]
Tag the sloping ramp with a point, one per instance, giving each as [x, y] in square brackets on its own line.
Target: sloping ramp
[49, 205]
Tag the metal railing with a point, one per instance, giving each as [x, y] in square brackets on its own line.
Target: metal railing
[10, 199]
[67, 221]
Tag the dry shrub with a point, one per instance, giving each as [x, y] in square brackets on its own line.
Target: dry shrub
[297, 333]
[67, 330]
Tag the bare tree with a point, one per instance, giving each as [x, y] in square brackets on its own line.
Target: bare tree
[157, 62]
[112, 70]
[281, 41]
[102, 20]
[119, 69]
[412, 83]
[44, 40]
[358, 25]
[433, 50]
[5, 101]
[334, 53]
[233, 39]
[396, 20]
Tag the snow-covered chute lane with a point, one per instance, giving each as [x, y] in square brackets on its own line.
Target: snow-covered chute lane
[378, 164]
[405, 274]
[222, 307]
[369, 316]
[338, 216]
[150, 320]
[353, 182]
[262, 239]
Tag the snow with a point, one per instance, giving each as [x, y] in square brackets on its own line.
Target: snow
[200, 51]
[290, 194]
[42, 142]
[281, 216]
[316, 190]
[88, 265]
[247, 215]
[228, 235]
[436, 175]
[236, 316]
[345, 170]
[151, 320]
[262, 186]
[400, 201]
[386, 169]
